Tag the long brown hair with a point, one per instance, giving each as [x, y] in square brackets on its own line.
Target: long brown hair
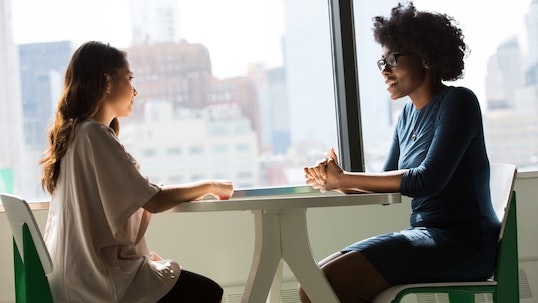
[85, 86]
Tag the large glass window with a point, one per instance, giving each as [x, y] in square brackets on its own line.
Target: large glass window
[247, 90]
[239, 89]
[502, 69]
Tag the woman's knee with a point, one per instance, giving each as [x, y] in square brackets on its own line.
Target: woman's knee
[353, 276]
[192, 287]
[302, 295]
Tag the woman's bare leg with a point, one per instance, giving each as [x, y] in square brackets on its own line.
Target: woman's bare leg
[352, 277]
[302, 295]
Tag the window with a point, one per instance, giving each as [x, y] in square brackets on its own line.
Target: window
[264, 80]
[222, 92]
[150, 153]
[501, 69]
[173, 151]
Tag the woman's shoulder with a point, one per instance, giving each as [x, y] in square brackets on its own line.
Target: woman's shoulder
[460, 99]
[92, 132]
[460, 92]
[92, 127]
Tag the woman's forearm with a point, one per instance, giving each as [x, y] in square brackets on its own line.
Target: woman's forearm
[170, 196]
[371, 182]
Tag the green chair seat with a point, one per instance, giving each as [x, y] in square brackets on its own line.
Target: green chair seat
[504, 285]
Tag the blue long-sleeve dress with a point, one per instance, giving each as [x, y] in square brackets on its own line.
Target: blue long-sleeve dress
[453, 228]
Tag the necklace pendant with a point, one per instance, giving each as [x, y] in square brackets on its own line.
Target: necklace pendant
[414, 137]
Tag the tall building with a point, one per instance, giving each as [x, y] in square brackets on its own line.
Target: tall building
[531, 23]
[176, 72]
[309, 75]
[154, 21]
[42, 68]
[240, 91]
[505, 75]
[279, 112]
[10, 104]
[511, 120]
[273, 106]
[180, 73]
[216, 142]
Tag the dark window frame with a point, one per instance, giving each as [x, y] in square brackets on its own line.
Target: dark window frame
[346, 85]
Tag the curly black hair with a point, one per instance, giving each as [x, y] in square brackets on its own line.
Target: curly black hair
[434, 37]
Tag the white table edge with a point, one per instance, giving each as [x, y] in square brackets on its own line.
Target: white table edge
[279, 202]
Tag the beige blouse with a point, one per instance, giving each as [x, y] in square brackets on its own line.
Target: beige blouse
[96, 224]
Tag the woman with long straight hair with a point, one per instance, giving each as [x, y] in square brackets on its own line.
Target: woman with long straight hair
[101, 205]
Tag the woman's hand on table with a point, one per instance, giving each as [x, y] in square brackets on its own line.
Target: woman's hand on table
[325, 174]
[221, 190]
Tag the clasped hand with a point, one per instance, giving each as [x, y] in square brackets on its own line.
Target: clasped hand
[325, 174]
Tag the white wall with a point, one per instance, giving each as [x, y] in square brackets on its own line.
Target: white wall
[220, 244]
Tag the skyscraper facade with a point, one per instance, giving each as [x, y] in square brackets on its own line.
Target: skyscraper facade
[10, 104]
[154, 21]
[42, 68]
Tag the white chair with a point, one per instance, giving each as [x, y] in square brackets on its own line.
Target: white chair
[504, 285]
[30, 255]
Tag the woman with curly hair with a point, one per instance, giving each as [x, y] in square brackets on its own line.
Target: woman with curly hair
[438, 157]
[101, 205]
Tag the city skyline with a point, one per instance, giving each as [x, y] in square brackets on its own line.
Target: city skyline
[103, 20]
[110, 22]
[305, 48]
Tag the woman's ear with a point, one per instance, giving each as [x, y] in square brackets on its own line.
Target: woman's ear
[425, 64]
[108, 80]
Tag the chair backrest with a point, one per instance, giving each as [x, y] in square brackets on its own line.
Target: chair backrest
[19, 213]
[502, 181]
[503, 198]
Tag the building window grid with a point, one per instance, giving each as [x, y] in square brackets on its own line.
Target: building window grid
[347, 96]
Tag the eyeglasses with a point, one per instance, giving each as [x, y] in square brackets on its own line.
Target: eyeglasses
[390, 61]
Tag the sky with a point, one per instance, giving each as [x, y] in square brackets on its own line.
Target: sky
[498, 20]
[216, 24]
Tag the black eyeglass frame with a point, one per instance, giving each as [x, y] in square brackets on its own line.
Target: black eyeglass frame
[390, 61]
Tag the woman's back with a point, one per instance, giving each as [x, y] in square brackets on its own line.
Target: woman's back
[95, 229]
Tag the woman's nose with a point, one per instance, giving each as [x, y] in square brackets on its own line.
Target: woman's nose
[135, 91]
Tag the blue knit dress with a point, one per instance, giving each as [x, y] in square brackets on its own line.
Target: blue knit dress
[453, 228]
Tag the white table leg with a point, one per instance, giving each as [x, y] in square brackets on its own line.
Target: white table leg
[297, 253]
[284, 235]
[267, 256]
[276, 287]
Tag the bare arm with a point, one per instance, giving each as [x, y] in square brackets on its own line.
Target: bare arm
[170, 196]
[370, 182]
[327, 175]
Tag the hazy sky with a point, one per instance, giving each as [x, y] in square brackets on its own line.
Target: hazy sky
[240, 37]
[217, 24]
[493, 22]
[485, 24]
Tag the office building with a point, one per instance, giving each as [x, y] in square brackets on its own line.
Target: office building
[154, 21]
[10, 105]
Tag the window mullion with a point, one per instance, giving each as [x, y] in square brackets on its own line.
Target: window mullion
[346, 85]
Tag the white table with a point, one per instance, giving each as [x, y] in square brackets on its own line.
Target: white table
[281, 234]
